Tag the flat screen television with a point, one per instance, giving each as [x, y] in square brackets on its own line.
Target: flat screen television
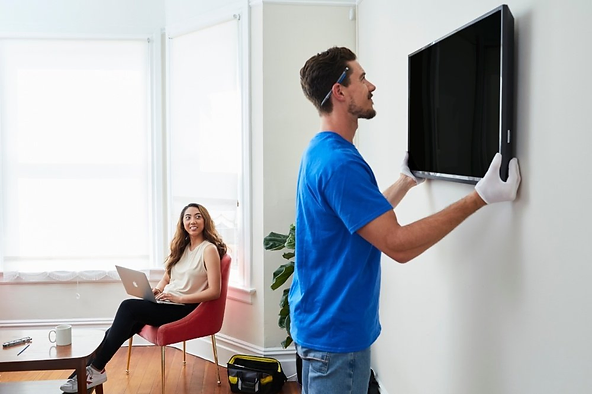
[461, 100]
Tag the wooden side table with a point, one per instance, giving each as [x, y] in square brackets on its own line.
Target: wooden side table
[44, 355]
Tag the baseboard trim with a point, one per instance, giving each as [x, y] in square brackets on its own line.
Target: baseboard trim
[28, 324]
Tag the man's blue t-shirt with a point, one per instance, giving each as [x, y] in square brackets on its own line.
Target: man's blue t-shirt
[336, 285]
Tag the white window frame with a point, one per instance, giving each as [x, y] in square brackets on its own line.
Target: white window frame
[240, 286]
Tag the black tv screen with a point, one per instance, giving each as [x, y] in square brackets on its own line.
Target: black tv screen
[461, 101]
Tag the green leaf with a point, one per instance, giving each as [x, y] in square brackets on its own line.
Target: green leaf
[287, 342]
[288, 255]
[284, 317]
[288, 323]
[281, 275]
[288, 339]
[284, 313]
[274, 241]
[291, 241]
[284, 302]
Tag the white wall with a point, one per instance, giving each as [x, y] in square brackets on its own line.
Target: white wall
[81, 16]
[502, 305]
[180, 11]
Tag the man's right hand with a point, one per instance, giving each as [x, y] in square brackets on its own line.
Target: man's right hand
[492, 189]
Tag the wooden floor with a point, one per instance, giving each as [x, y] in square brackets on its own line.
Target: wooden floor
[197, 377]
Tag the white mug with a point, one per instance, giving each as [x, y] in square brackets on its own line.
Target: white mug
[62, 335]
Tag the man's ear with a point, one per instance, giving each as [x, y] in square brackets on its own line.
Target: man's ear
[338, 92]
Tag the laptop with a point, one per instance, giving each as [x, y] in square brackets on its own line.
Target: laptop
[136, 284]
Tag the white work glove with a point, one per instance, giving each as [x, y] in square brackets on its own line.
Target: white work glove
[492, 189]
[407, 172]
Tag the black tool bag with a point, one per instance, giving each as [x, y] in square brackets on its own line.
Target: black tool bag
[253, 374]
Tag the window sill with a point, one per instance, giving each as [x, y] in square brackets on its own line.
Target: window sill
[20, 278]
[241, 294]
[235, 291]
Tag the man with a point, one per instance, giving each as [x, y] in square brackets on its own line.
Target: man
[343, 223]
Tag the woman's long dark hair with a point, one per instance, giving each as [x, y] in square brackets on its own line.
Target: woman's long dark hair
[181, 238]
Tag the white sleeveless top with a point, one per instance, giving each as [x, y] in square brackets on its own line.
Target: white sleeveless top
[189, 275]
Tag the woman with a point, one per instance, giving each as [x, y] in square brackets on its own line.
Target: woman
[192, 275]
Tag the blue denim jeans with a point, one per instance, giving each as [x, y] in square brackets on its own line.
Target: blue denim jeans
[332, 373]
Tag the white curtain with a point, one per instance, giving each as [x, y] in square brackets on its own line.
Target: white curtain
[75, 164]
[206, 126]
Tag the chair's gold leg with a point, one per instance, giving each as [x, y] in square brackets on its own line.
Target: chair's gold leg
[215, 348]
[162, 348]
[184, 354]
[129, 354]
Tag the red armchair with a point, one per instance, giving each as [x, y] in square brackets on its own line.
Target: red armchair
[205, 320]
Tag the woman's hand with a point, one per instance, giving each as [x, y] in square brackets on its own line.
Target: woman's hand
[161, 285]
[168, 297]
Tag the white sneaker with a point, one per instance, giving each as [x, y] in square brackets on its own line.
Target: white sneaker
[93, 378]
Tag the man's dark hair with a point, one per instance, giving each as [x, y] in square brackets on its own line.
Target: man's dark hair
[321, 72]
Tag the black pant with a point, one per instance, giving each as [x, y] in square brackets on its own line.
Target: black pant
[131, 316]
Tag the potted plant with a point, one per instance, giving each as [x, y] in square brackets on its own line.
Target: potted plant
[286, 243]
[279, 242]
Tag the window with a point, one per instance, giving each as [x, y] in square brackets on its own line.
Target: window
[206, 125]
[75, 156]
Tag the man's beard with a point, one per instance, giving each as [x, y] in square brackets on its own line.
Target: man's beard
[360, 112]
